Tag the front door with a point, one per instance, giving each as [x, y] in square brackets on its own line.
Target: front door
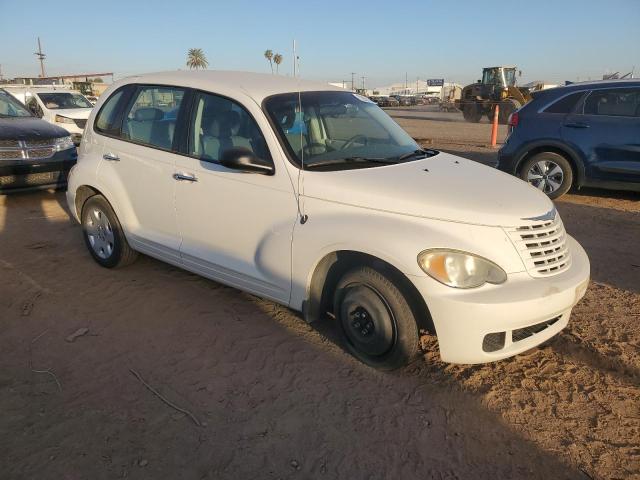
[236, 227]
[138, 166]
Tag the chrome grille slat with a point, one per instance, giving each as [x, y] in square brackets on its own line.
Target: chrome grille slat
[542, 246]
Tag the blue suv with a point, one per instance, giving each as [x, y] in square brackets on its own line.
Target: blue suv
[583, 134]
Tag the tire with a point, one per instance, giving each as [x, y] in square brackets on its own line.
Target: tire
[103, 234]
[507, 107]
[471, 112]
[549, 172]
[375, 319]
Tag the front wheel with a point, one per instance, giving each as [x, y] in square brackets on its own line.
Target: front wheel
[375, 319]
[103, 234]
[548, 172]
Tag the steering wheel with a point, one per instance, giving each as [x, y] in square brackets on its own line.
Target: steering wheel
[354, 139]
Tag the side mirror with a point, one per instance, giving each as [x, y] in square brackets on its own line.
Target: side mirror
[244, 160]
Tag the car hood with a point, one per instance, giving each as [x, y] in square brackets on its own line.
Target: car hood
[29, 128]
[443, 187]
[75, 113]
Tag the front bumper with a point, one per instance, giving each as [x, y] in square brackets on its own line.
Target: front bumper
[464, 318]
[22, 175]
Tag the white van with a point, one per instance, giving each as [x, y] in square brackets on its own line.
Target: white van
[315, 198]
[65, 108]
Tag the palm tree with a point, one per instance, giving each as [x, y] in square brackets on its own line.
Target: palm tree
[196, 59]
[277, 59]
[268, 54]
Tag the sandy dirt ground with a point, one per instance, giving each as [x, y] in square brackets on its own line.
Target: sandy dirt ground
[275, 398]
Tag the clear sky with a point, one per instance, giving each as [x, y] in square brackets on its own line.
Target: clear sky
[382, 40]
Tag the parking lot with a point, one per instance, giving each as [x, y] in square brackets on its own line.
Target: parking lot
[265, 395]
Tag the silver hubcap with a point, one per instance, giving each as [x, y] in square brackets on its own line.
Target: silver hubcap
[99, 232]
[546, 176]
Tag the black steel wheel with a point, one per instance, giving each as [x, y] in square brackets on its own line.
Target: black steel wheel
[375, 319]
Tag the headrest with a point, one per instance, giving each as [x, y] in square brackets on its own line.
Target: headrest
[148, 114]
[231, 118]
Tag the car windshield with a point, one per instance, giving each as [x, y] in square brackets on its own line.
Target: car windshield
[338, 130]
[64, 100]
[10, 107]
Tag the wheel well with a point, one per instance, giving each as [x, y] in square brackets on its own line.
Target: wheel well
[334, 265]
[82, 195]
[563, 153]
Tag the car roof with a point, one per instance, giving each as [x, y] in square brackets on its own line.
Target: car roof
[256, 85]
[626, 82]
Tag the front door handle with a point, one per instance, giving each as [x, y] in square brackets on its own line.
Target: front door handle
[112, 157]
[185, 177]
[576, 125]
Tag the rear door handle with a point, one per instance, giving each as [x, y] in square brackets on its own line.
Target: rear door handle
[185, 177]
[576, 125]
[112, 157]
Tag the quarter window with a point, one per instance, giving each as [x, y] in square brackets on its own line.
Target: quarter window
[151, 119]
[219, 124]
[565, 104]
[618, 102]
[106, 122]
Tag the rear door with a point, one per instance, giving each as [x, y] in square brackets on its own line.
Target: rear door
[606, 130]
[138, 167]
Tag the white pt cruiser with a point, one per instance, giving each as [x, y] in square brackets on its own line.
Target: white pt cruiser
[313, 197]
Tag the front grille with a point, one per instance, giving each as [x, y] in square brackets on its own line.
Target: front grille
[10, 154]
[30, 179]
[526, 332]
[80, 122]
[27, 149]
[39, 152]
[37, 143]
[492, 342]
[542, 245]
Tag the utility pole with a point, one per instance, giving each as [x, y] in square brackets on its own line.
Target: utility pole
[41, 56]
[352, 78]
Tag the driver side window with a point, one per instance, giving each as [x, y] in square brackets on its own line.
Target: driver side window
[219, 124]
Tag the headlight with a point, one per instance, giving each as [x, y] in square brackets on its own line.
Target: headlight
[62, 143]
[460, 269]
[61, 119]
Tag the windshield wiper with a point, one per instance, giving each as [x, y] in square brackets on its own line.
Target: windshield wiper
[417, 153]
[337, 161]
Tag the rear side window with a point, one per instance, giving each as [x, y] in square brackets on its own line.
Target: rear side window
[106, 121]
[151, 117]
[565, 104]
[618, 102]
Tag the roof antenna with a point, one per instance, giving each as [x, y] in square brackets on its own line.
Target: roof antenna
[299, 112]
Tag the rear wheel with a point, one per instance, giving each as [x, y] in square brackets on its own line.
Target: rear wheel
[103, 234]
[471, 112]
[375, 319]
[548, 172]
